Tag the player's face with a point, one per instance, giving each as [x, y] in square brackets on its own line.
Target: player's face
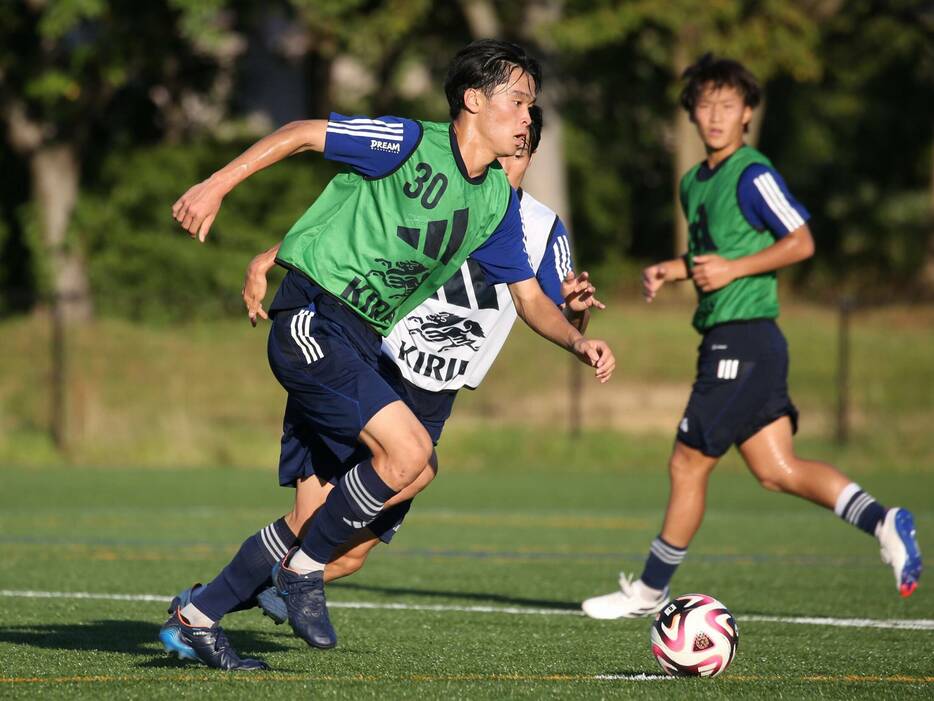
[515, 166]
[504, 116]
[721, 115]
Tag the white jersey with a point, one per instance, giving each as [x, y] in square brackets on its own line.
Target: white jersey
[451, 340]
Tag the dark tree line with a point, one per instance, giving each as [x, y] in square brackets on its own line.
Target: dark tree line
[110, 109]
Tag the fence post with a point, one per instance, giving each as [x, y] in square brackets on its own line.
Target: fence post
[845, 308]
[59, 376]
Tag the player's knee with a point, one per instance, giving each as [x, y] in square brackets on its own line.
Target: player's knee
[429, 472]
[778, 480]
[406, 460]
[682, 468]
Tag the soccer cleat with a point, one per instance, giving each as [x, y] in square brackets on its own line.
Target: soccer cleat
[272, 605]
[209, 645]
[633, 600]
[307, 608]
[899, 548]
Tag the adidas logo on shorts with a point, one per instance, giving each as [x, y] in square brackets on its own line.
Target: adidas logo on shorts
[728, 369]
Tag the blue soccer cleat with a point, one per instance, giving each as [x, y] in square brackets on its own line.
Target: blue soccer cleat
[899, 546]
[307, 608]
[207, 645]
[272, 605]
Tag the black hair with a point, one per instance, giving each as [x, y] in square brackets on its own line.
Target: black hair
[484, 64]
[719, 72]
[535, 128]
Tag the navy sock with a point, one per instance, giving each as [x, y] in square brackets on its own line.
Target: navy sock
[859, 508]
[352, 504]
[661, 564]
[248, 572]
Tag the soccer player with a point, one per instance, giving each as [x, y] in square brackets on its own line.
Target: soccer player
[418, 200]
[744, 226]
[448, 342]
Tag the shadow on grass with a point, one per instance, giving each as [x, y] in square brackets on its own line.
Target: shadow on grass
[132, 637]
[480, 597]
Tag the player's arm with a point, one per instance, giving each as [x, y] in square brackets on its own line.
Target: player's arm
[767, 205]
[254, 283]
[654, 276]
[504, 259]
[711, 272]
[537, 310]
[197, 208]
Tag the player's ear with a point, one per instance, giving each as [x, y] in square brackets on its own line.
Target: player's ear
[473, 100]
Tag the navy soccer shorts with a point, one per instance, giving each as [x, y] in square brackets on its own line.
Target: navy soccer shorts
[741, 386]
[330, 363]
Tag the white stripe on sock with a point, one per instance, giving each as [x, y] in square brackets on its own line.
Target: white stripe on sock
[667, 553]
[276, 539]
[847, 493]
[364, 499]
[269, 546]
[859, 507]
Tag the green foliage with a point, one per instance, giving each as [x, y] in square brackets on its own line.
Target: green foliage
[857, 145]
[848, 117]
[143, 266]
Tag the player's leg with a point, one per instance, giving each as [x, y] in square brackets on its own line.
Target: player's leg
[771, 458]
[401, 448]
[689, 471]
[351, 556]
[769, 455]
[192, 630]
[718, 402]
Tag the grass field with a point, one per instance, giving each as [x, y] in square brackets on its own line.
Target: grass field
[476, 598]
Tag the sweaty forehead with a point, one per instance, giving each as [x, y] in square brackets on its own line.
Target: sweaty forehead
[519, 83]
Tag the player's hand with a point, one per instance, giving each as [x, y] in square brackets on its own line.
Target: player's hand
[197, 208]
[711, 272]
[598, 355]
[254, 289]
[653, 278]
[578, 292]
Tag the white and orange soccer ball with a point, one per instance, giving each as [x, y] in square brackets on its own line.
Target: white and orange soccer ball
[694, 636]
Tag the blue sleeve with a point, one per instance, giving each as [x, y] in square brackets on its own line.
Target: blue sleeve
[372, 147]
[503, 256]
[556, 262]
[766, 202]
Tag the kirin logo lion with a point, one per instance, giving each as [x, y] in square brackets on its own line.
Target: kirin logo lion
[444, 327]
[405, 275]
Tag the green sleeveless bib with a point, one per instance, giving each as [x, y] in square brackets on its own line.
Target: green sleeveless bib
[385, 245]
[716, 225]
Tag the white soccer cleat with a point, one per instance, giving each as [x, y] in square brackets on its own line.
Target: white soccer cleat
[899, 548]
[633, 600]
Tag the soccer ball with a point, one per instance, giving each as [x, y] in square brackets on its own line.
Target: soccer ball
[694, 636]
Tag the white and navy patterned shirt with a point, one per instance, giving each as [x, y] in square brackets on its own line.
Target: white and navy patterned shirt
[451, 340]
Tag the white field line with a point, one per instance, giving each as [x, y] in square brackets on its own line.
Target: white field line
[892, 623]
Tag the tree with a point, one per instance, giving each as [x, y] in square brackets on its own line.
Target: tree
[651, 40]
[75, 76]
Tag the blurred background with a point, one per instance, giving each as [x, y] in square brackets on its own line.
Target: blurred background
[125, 344]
